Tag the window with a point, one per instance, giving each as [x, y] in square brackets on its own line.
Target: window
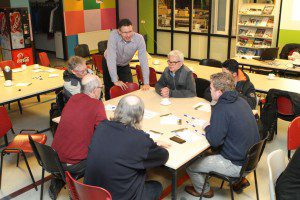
[181, 15]
[164, 14]
[220, 10]
[200, 16]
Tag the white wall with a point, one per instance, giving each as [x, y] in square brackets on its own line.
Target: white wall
[290, 15]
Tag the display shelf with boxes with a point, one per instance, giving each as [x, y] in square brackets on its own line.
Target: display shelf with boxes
[257, 27]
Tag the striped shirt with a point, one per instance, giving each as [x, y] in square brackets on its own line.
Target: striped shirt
[120, 53]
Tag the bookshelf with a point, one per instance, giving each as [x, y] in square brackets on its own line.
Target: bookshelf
[257, 26]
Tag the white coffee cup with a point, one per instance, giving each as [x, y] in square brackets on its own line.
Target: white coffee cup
[36, 66]
[271, 75]
[165, 101]
[23, 67]
[156, 62]
[8, 83]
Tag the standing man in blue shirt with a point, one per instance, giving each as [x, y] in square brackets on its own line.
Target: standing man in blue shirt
[121, 47]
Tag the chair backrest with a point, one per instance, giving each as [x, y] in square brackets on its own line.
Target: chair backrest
[201, 86]
[9, 63]
[44, 59]
[139, 74]
[211, 63]
[82, 50]
[276, 164]
[284, 106]
[97, 60]
[81, 191]
[287, 49]
[293, 140]
[47, 158]
[152, 77]
[116, 91]
[102, 46]
[5, 123]
[252, 157]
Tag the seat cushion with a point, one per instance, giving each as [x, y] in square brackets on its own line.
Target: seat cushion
[21, 141]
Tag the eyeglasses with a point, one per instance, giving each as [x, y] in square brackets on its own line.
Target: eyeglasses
[172, 63]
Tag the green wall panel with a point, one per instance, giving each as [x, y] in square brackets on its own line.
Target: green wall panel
[90, 5]
[146, 13]
[288, 36]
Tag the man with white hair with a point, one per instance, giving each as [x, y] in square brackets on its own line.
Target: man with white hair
[120, 153]
[177, 80]
[80, 116]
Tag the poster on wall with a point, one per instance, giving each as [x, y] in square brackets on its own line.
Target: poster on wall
[4, 35]
[23, 56]
[17, 39]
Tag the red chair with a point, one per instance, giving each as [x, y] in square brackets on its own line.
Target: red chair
[44, 59]
[284, 109]
[116, 91]
[293, 140]
[97, 59]
[20, 144]
[80, 191]
[152, 77]
[195, 75]
[9, 63]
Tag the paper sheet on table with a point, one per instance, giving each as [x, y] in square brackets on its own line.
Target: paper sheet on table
[169, 119]
[17, 70]
[188, 135]
[37, 70]
[203, 107]
[23, 84]
[198, 122]
[50, 70]
[148, 114]
[153, 135]
[53, 75]
[110, 107]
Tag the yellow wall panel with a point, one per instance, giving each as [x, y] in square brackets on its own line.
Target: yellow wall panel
[73, 5]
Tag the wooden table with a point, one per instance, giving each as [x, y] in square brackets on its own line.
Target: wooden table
[277, 65]
[37, 86]
[179, 154]
[261, 82]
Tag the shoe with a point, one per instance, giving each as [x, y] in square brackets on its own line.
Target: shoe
[191, 190]
[55, 187]
[238, 187]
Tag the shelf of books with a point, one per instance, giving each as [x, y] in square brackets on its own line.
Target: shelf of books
[257, 28]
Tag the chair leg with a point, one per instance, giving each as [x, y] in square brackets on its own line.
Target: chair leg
[206, 180]
[20, 107]
[5, 140]
[222, 184]
[289, 154]
[29, 170]
[231, 191]
[38, 98]
[18, 156]
[256, 186]
[8, 106]
[42, 184]
[1, 166]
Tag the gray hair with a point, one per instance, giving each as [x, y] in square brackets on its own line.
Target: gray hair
[178, 54]
[74, 61]
[222, 81]
[89, 83]
[130, 111]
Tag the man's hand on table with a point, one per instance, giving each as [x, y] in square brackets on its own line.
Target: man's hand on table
[145, 87]
[165, 92]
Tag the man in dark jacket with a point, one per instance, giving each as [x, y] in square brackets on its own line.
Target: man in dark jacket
[177, 80]
[120, 153]
[232, 129]
[77, 69]
[242, 82]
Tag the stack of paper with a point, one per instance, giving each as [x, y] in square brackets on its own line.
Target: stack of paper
[53, 75]
[109, 107]
[170, 119]
[203, 107]
[17, 70]
[153, 134]
[23, 84]
[148, 114]
[188, 135]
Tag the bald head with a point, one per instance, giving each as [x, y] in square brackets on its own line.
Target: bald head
[130, 111]
[90, 85]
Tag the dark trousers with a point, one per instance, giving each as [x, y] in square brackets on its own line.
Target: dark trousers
[123, 72]
[152, 190]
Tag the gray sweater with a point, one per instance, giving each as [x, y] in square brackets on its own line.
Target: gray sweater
[181, 85]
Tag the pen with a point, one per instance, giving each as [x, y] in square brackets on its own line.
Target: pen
[199, 133]
[156, 132]
[178, 130]
[189, 123]
[166, 115]
[196, 108]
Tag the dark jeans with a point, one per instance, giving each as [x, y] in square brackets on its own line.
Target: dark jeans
[152, 190]
[124, 74]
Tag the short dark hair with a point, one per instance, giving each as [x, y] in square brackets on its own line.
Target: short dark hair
[124, 22]
[232, 65]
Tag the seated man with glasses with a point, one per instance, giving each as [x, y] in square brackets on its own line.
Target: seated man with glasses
[79, 118]
[121, 47]
[77, 69]
[177, 80]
